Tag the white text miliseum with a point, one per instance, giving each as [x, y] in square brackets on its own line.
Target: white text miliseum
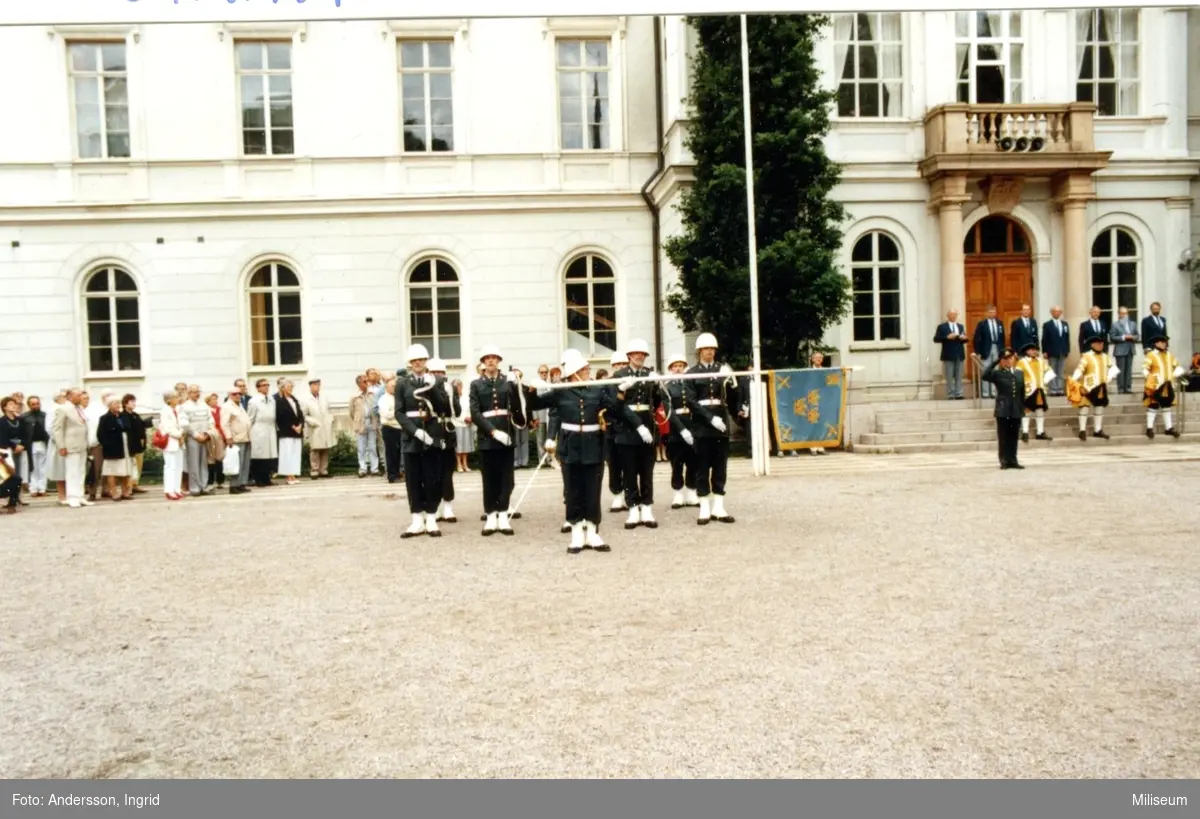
[1140, 799]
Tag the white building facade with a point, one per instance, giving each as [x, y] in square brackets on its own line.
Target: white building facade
[199, 202]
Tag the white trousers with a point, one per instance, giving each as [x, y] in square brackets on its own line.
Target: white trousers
[173, 472]
[75, 469]
[37, 458]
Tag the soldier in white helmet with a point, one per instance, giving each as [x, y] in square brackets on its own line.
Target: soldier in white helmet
[709, 400]
[681, 445]
[612, 457]
[494, 402]
[419, 402]
[450, 453]
[635, 434]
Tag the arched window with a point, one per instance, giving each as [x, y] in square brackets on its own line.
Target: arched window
[434, 317]
[591, 291]
[276, 338]
[1115, 261]
[114, 337]
[875, 274]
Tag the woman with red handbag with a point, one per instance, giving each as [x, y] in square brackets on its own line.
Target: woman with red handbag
[169, 438]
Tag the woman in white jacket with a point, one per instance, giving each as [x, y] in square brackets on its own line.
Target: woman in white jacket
[173, 424]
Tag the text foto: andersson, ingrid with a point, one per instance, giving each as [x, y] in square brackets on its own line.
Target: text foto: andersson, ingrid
[70, 800]
[1140, 799]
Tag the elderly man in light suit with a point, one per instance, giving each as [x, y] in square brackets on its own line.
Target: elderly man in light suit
[70, 435]
[318, 422]
[1124, 337]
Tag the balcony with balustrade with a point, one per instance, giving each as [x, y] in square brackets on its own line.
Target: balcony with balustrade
[1029, 140]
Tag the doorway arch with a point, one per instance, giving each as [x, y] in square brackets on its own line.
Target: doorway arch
[998, 269]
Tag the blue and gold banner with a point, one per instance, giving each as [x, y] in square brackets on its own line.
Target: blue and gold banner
[807, 407]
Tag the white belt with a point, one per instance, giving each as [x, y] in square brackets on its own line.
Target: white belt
[710, 402]
[640, 407]
[684, 411]
[494, 413]
[580, 428]
[417, 414]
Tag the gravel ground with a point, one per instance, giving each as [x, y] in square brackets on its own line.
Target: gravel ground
[944, 623]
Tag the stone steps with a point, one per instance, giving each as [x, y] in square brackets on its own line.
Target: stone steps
[985, 421]
[1063, 428]
[1060, 441]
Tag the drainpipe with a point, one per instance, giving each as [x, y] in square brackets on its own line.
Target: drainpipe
[655, 224]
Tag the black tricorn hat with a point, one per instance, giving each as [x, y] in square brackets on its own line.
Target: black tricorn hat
[1032, 345]
[1094, 337]
[1157, 337]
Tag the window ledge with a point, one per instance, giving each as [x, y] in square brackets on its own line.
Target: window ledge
[121, 375]
[104, 32]
[584, 26]
[293, 369]
[435, 29]
[878, 346]
[263, 31]
[1100, 123]
[874, 123]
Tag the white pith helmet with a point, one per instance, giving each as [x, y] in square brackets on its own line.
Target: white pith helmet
[705, 340]
[416, 351]
[678, 358]
[573, 363]
[490, 349]
[637, 345]
[435, 365]
[617, 358]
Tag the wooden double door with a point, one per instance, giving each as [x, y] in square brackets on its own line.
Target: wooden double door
[1005, 281]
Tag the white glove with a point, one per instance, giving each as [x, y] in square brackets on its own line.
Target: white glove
[429, 378]
[625, 386]
[551, 446]
[512, 376]
[502, 437]
[686, 435]
[424, 437]
[646, 436]
[726, 369]
[537, 382]
[718, 424]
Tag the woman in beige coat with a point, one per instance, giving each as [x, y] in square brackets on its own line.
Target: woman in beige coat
[235, 425]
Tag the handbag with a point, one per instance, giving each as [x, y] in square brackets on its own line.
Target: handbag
[232, 462]
[161, 439]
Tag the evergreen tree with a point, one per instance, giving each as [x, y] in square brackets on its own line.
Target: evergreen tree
[801, 289]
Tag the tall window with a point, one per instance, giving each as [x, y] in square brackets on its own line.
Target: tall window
[114, 337]
[100, 90]
[275, 328]
[591, 306]
[583, 74]
[1106, 60]
[875, 268]
[1115, 261]
[988, 54]
[265, 83]
[426, 98]
[434, 317]
[867, 53]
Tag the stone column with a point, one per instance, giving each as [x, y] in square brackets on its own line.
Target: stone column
[948, 192]
[1071, 194]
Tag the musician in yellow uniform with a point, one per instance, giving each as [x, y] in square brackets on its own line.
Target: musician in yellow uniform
[1160, 370]
[1090, 388]
[1035, 368]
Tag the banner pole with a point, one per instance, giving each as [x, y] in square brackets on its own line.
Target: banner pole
[758, 445]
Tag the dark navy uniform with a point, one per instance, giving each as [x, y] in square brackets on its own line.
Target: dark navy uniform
[1010, 408]
[450, 453]
[495, 407]
[681, 453]
[418, 405]
[707, 399]
[637, 456]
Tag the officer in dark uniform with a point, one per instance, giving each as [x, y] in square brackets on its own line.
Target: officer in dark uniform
[450, 453]
[420, 399]
[709, 400]
[495, 407]
[612, 456]
[681, 443]
[637, 437]
[580, 448]
[1010, 405]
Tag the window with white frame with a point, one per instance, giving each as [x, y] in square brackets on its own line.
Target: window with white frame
[1115, 262]
[583, 94]
[114, 336]
[867, 52]
[276, 337]
[1106, 60]
[426, 94]
[100, 92]
[265, 88]
[875, 274]
[989, 48]
[591, 299]
[434, 309]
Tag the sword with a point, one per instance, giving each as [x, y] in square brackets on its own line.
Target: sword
[545, 459]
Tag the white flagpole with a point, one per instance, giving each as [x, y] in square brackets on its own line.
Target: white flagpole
[758, 422]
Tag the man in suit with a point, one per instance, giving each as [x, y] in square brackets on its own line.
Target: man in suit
[953, 338]
[1056, 344]
[1024, 330]
[1010, 396]
[1092, 327]
[70, 434]
[1124, 337]
[1153, 325]
[987, 342]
